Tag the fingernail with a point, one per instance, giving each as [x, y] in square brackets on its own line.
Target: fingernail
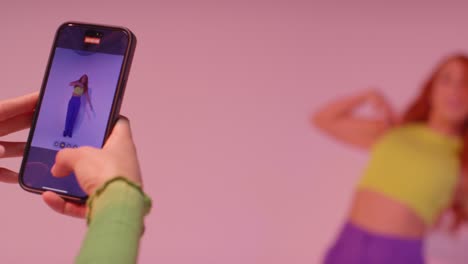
[2, 150]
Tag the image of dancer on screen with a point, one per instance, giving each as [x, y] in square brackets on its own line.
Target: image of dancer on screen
[80, 89]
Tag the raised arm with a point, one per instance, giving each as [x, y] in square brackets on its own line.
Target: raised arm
[338, 119]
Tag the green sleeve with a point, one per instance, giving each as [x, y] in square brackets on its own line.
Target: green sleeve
[115, 219]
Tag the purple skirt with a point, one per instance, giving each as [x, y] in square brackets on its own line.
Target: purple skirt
[359, 246]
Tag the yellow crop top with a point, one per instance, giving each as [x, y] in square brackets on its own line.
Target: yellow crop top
[78, 90]
[416, 166]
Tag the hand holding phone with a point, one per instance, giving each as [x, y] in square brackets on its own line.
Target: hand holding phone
[79, 102]
[93, 167]
[15, 115]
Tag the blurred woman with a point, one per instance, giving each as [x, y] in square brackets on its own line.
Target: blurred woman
[415, 168]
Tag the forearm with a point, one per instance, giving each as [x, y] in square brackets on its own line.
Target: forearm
[340, 108]
[338, 119]
[115, 225]
[88, 98]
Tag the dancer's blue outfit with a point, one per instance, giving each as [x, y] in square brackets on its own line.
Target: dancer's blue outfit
[73, 109]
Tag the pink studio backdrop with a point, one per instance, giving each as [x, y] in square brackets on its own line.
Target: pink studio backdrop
[219, 98]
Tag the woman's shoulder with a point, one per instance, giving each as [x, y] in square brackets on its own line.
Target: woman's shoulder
[403, 132]
[405, 128]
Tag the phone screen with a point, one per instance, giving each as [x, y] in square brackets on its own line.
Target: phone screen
[77, 99]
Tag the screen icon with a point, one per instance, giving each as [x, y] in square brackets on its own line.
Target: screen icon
[92, 40]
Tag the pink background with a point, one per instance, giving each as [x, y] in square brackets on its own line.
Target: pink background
[219, 97]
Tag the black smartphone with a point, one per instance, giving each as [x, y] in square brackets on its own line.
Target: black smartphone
[79, 101]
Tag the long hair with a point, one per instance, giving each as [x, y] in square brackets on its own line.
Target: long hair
[84, 81]
[419, 111]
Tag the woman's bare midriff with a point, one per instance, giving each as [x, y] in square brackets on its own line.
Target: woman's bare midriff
[380, 214]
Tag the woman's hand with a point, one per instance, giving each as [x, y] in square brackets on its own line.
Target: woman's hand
[15, 115]
[93, 167]
[381, 106]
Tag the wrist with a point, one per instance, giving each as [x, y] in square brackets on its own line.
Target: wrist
[118, 192]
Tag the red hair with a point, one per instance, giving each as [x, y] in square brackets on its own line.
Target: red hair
[419, 111]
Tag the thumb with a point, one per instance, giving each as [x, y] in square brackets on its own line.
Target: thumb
[65, 161]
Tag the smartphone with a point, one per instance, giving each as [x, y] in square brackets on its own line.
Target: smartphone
[79, 101]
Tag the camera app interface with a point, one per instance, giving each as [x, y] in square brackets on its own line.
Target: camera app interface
[76, 104]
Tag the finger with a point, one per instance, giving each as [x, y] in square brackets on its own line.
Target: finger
[65, 161]
[15, 124]
[8, 176]
[121, 134]
[11, 149]
[59, 205]
[17, 106]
